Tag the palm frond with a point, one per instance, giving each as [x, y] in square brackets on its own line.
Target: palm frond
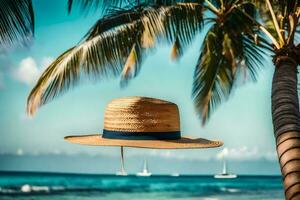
[213, 78]
[251, 60]
[149, 28]
[102, 56]
[87, 5]
[285, 7]
[116, 45]
[182, 23]
[112, 20]
[228, 54]
[286, 17]
[132, 65]
[282, 8]
[16, 23]
[111, 5]
[177, 50]
[177, 24]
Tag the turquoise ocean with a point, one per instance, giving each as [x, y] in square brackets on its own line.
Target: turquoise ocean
[56, 186]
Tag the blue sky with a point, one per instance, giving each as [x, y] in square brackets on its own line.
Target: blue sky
[243, 122]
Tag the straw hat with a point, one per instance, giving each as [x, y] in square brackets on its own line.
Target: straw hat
[142, 122]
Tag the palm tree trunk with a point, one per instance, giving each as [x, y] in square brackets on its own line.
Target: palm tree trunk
[286, 121]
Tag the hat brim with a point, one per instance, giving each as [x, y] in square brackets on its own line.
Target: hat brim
[183, 143]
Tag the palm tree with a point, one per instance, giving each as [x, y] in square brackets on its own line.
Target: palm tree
[240, 34]
[16, 23]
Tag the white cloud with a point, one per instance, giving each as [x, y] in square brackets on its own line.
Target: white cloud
[222, 153]
[171, 154]
[242, 153]
[28, 70]
[272, 156]
[245, 153]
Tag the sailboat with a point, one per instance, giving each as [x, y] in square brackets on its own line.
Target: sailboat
[175, 174]
[225, 173]
[122, 172]
[145, 171]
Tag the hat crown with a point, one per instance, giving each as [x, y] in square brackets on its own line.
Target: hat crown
[141, 114]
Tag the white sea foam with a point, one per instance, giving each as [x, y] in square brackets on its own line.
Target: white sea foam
[7, 191]
[40, 188]
[231, 190]
[27, 188]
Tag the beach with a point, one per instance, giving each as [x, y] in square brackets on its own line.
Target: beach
[53, 186]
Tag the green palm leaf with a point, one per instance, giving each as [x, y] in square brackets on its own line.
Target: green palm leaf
[87, 5]
[115, 45]
[107, 5]
[286, 16]
[228, 54]
[101, 56]
[285, 7]
[16, 23]
[213, 77]
[183, 22]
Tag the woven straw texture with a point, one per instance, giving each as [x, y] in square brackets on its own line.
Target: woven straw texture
[142, 114]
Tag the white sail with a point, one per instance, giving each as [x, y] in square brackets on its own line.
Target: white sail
[175, 174]
[225, 173]
[224, 167]
[145, 171]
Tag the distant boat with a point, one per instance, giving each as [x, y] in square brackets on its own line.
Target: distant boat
[145, 171]
[175, 174]
[225, 173]
[122, 172]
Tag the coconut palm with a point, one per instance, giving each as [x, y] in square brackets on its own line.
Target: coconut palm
[239, 35]
[16, 23]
